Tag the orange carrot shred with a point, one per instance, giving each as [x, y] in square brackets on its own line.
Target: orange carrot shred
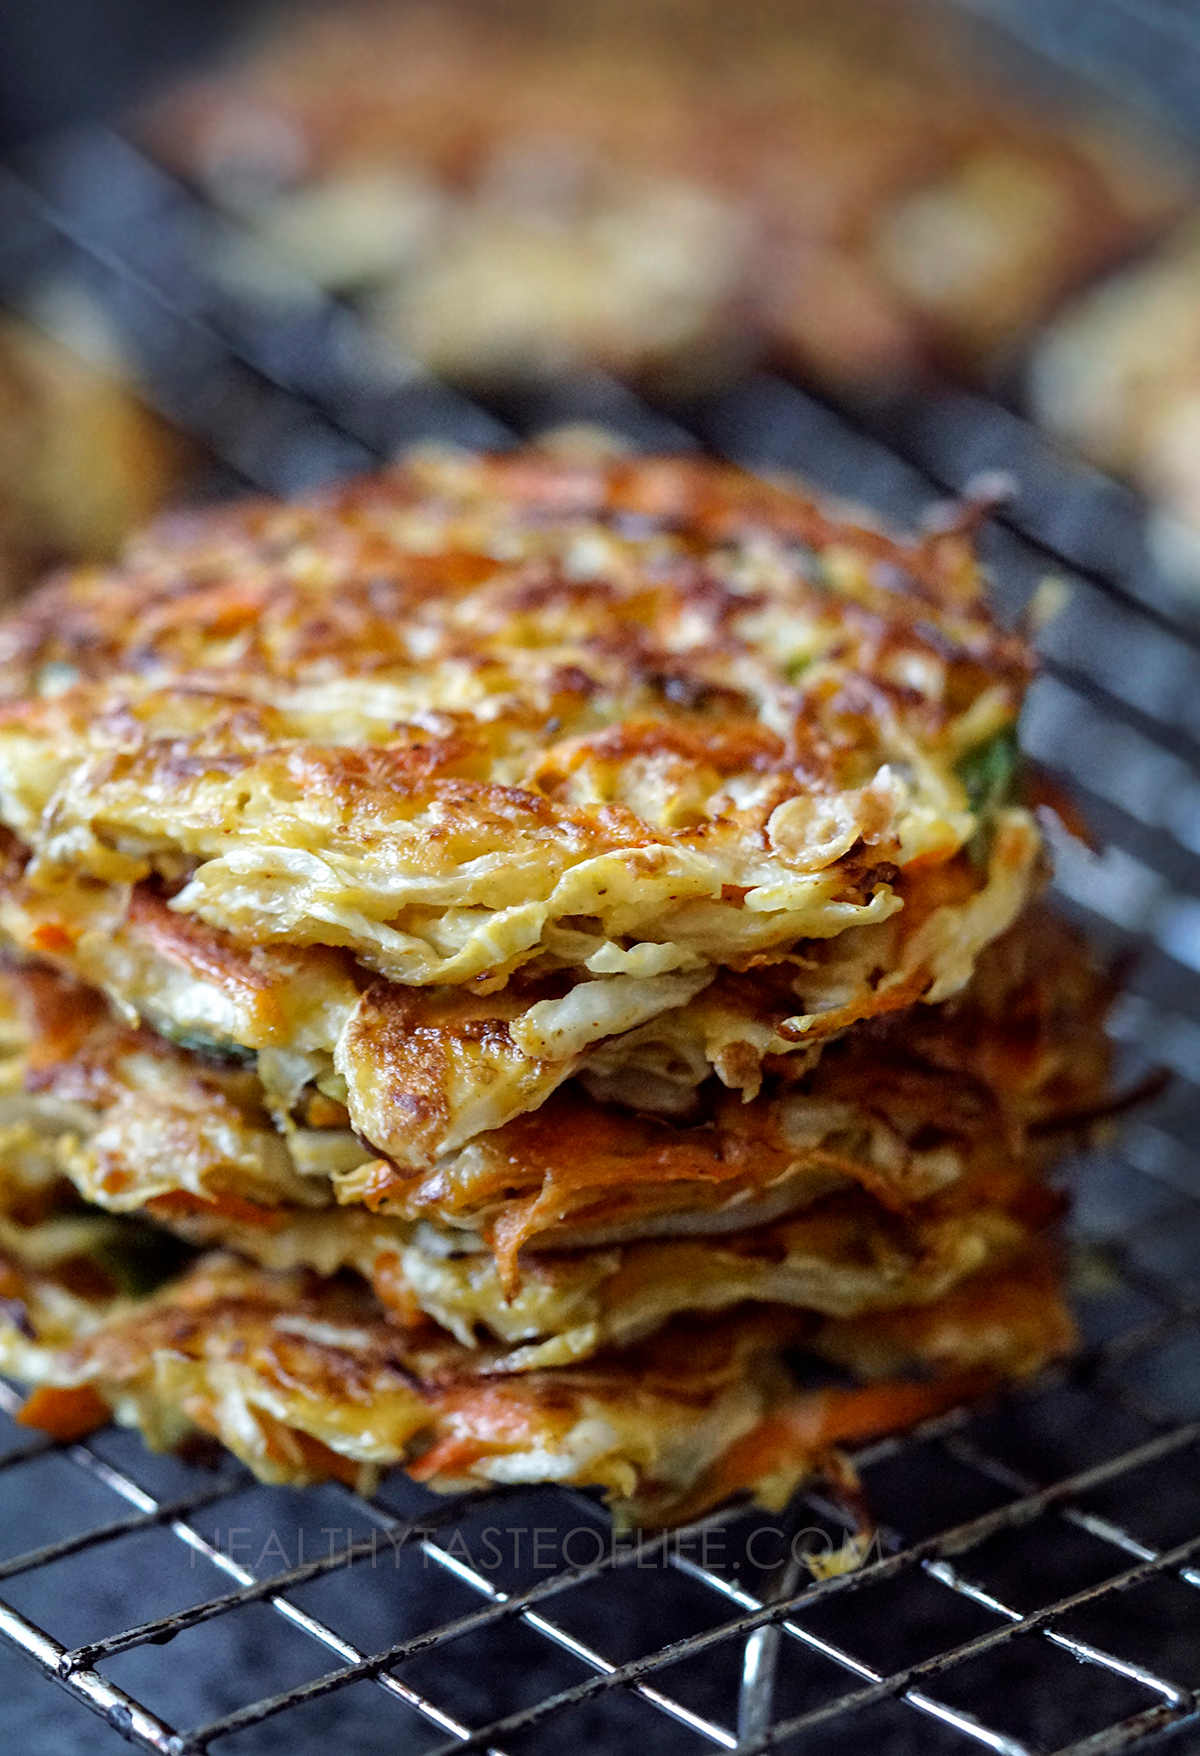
[64, 1413]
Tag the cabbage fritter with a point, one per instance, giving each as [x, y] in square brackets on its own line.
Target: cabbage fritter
[423, 1072]
[903, 1109]
[303, 1380]
[842, 1257]
[488, 771]
[139, 1126]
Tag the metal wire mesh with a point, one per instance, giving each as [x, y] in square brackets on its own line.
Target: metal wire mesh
[1034, 1587]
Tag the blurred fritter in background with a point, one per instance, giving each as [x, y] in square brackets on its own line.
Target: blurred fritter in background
[865, 197]
[670, 190]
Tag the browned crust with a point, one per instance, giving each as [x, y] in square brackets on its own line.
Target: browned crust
[1024, 1044]
[198, 580]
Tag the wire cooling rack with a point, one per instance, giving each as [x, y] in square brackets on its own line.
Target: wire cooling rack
[1035, 1585]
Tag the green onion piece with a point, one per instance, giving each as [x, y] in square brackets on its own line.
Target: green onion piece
[989, 772]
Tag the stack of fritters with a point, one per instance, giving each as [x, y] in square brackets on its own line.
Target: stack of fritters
[551, 932]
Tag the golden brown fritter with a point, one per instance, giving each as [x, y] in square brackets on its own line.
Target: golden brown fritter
[466, 778]
[909, 1158]
[304, 1380]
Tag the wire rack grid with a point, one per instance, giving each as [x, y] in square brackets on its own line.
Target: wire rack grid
[1034, 1585]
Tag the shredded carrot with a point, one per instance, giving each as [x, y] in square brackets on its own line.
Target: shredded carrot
[324, 1113]
[812, 1425]
[395, 1293]
[450, 1457]
[835, 1417]
[182, 1201]
[50, 937]
[282, 1443]
[64, 1414]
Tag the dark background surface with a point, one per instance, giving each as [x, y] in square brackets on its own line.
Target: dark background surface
[65, 60]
